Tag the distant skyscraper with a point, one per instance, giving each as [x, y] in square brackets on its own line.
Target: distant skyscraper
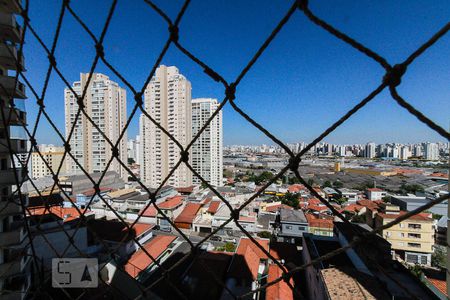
[133, 149]
[207, 150]
[431, 151]
[53, 156]
[105, 104]
[370, 150]
[168, 102]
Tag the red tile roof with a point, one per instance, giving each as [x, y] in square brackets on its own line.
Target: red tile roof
[150, 212]
[213, 207]
[280, 290]
[188, 189]
[375, 190]
[369, 203]
[274, 208]
[441, 285]
[352, 208]
[139, 261]
[295, 188]
[314, 201]
[64, 213]
[252, 254]
[317, 208]
[247, 219]
[171, 203]
[314, 221]
[418, 217]
[188, 214]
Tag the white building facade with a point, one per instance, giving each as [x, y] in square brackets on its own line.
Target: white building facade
[207, 150]
[105, 104]
[168, 101]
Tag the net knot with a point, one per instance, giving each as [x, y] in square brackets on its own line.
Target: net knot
[294, 163]
[230, 92]
[100, 50]
[235, 214]
[67, 147]
[52, 60]
[184, 156]
[173, 29]
[393, 76]
[138, 98]
[302, 4]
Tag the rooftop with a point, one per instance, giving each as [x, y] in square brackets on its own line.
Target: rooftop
[140, 261]
[188, 214]
[287, 215]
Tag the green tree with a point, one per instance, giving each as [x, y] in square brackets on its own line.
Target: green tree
[337, 184]
[265, 234]
[290, 200]
[439, 257]
[310, 182]
[227, 247]
[327, 184]
[411, 188]
[341, 200]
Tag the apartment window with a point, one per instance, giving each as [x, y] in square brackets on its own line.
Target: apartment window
[288, 227]
[412, 258]
[414, 235]
[301, 228]
[414, 226]
[414, 245]
[423, 260]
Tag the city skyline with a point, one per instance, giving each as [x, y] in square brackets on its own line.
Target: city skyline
[300, 114]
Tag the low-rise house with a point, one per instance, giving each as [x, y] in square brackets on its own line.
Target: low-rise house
[118, 238]
[171, 208]
[330, 193]
[320, 225]
[365, 271]
[351, 195]
[140, 264]
[290, 225]
[375, 194]
[411, 239]
[248, 265]
[188, 214]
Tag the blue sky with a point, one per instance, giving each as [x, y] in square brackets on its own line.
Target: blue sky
[303, 83]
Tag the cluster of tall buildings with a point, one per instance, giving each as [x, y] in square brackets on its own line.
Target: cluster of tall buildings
[169, 108]
[427, 150]
[168, 101]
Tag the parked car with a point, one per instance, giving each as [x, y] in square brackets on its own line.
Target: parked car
[216, 238]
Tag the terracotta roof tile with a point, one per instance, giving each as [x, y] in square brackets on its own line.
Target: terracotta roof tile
[188, 214]
[280, 290]
[213, 207]
[139, 261]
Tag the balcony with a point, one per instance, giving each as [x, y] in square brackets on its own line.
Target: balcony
[10, 57]
[17, 146]
[14, 266]
[10, 6]
[9, 29]
[9, 87]
[13, 116]
[7, 177]
[16, 288]
[8, 208]
[12, 237]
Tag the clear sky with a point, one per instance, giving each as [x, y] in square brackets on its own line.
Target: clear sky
[303, 83]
